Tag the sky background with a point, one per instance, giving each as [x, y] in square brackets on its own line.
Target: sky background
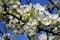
[23, 37]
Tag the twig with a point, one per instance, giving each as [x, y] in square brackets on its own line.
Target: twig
[1, 32]
[41, 29]
[28, 1]
[53, 4]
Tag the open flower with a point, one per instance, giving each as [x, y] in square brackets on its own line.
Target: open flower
[51, 37]
[14, 6]
[45, 21]
[54, 16]
[42, 37]
[55, 29]
[32, 33]
[33, 22]
[18, 10]
[16, 32]
[6, 36]
[58, 19]
[18, 3]
[10, 17]
[38, 7]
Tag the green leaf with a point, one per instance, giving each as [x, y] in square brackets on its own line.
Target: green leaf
[33, 14]
[1, 14]
[27, 17]
[56, 24]
[13, 2]
[39, 23]
[1, 3]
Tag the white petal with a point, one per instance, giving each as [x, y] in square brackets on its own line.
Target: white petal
[54, 16]
[11, 17]
[14, 6]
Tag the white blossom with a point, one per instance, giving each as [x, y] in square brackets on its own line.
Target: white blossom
[58, 19]
[16, 20]
[42, 37]
[45, 21]
[18, 10]
[18, 3]
[38, 7]
[5, 36]
[54, 16]
[33, 22]
[14, 6]
[30, 28]
[16, 32]
[10, 17]
[51, 37]
[55, 30]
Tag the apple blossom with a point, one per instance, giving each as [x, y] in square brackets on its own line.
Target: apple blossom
[54, 16]
[27, 18]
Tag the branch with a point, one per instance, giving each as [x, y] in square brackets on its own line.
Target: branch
[53, 4]
[20, 1]
[28, 37]
[14, 16]
[1, 32]
[40, 29]
[28, 1]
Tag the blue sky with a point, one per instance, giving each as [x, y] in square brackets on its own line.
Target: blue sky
[22, 37]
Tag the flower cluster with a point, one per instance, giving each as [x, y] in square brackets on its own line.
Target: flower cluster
[35, 14]
[44, 37]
